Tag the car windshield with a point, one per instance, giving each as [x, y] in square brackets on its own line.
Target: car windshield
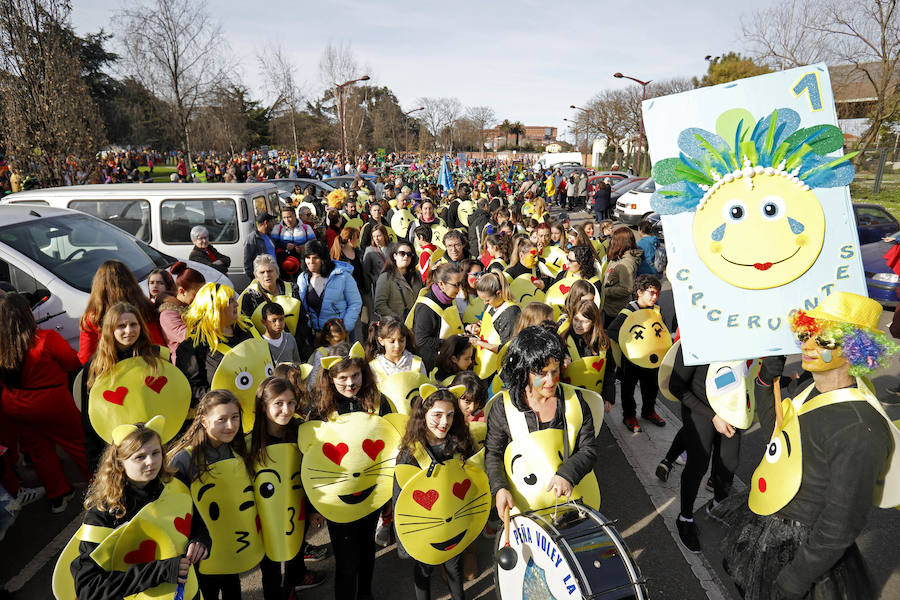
[627, 184]
[647, 186]
[73, 247]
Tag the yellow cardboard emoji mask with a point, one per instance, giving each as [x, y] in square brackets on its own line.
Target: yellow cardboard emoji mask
[440, 511]
[348, 463]
[523, 289]
[401, 389]
[729, 388]
[664, 376]
[241, 371]
[291, 306]
[224, 498]
[131, 393]
[401, 220]
[552, 260]
[586, 372]
[280, 501]
[644, 338]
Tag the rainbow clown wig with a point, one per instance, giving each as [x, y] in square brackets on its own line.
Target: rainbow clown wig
[744, 148]
[849, 322]
[204, 316]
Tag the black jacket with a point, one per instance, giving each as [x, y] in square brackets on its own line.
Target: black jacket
[94, 583]
[477, 221]
[583, 456]
[201, 256]
[427, 330]
[199, 364]
[255, 246]
[846, 451]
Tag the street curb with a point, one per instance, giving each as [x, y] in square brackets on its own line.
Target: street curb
[644, 451]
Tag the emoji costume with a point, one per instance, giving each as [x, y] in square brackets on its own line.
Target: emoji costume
[241, 370]
[588, 367]
[199, 362]
[523, 454]
[833, 456]
[497, 327]
[433, 320]
[254, 297]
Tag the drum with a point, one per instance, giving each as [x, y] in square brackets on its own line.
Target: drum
[570, 551]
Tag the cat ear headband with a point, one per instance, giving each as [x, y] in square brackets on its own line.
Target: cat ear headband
[157, 424]
[355, 352]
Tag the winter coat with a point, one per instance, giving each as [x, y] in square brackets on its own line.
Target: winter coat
[340, 297]
[394, 297]
[618, 285]
[648, 244]
[202, 256]
[373, 262]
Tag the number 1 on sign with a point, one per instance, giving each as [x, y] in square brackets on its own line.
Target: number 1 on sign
[810, 84]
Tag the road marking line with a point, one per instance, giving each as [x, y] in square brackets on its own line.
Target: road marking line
[43, 557]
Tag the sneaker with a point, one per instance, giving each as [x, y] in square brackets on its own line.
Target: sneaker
[894, 390]
[58, 505]
[655, 419]
[687, 535]
[310, 579]
[632, 425]
[710, 511]
[313, 553]
[662, 470]
[28, 495]
[682, 458]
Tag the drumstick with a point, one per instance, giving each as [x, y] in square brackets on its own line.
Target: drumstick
[779, 412]
[506, 523]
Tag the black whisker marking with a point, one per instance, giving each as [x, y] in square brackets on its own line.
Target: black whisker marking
[420, 516]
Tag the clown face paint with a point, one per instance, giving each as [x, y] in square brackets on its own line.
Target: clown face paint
[730, 225]
[820, 355]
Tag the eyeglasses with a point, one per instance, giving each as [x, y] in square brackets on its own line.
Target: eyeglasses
[404, 253]
[476, 274]
[822, 343]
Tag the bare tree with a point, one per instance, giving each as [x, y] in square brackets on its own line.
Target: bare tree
[177, 54]
[281, 83]
[439, 116]
[786, 35]
[432, 115]
[47, 114]
[483, 117]
[337, 66]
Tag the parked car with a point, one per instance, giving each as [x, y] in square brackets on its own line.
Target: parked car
[874, 222]
[286, 186]
[624, 186]
[51, 254]
[613, 176]
[163, 214]
[881, 280]
[345, 181]
[634, 205]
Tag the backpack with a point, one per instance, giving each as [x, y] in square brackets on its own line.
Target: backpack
[660, 260]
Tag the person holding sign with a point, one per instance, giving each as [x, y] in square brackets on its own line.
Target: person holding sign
[832, 454]
[540, 436]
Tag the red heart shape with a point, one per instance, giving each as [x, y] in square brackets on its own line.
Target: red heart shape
[373, 448]
[335, 453]
[116, 396]
[145, 553]
[564, 288]
[535, 280]
[762, 266]
[462, 488]
[156, 383]
[183, 526]
[598, 364]
[425, 499]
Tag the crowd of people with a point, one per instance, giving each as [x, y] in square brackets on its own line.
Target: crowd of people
[424, 325]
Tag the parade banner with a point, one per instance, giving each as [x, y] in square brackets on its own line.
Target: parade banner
[752, 186]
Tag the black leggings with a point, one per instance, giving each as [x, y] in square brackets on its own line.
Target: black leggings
[422, 578]
[703, 442]
[354, 556]
[278, 587]
[211, 585]
[649, 380]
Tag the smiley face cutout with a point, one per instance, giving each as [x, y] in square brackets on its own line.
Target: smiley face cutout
[348, 464]
[440, 511]
[644, 338]
[132, 393]
[241, 371]
[280, 501]
[224, 498]
[586, 372]
[523, 290]
[401, 389]
[759, 232]
[777, 478]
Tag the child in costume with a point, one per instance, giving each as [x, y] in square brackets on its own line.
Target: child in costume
[209, 459]
[332, 334]
[457, 354]
[502, 312]
[280, 498]
[436, 432]
[390, 349]
[131, 476]
[829, 459]
[587, 344]
[646, 293]
[473, 401]
[435, 317]
[282, 344]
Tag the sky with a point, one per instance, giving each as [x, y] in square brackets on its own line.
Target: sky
[527, 59]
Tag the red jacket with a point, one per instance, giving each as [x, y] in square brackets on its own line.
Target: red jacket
[90, 335]
[44, 380]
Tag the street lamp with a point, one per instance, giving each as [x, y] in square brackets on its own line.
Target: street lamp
[406, 114]
[643, 85]
[340, 98]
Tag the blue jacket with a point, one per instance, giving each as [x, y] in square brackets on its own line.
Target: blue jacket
[648, 244]
[340, 298]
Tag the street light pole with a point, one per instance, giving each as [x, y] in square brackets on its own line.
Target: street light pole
[406, 114]
[339, 92]
[643, 85]
[587, 116]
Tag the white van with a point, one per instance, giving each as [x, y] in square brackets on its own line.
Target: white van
[51, 254]
[163, 214]
[550, 159]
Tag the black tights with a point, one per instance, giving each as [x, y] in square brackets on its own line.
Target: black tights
[649, 380]
[211, 585]
[703, 443]
[276, 587]
[354, 556]
[422, 578]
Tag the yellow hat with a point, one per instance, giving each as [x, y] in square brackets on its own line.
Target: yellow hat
[846, 307]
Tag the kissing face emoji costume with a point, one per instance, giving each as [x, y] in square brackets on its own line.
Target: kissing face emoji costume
[348, 463]
[241, 371]
[131, 393]
[280, 501]
[442, 507]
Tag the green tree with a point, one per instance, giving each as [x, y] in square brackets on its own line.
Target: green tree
[729, 67]
[517, 129]
[505, 129]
